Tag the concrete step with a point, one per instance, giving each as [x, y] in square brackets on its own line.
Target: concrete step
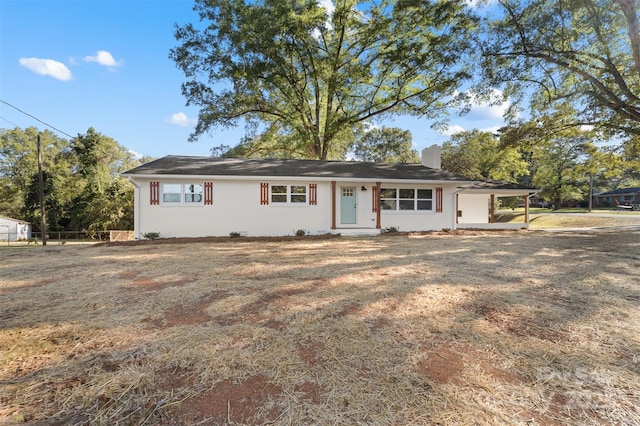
[356, 232]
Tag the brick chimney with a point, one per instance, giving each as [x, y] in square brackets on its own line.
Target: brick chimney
[431, 156]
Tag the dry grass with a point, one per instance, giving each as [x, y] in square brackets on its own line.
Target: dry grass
[521, 328]
[546, 220]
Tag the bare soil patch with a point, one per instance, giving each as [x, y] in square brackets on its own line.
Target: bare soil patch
[514, 328]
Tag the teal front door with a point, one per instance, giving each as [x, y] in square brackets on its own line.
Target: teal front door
[348, 206]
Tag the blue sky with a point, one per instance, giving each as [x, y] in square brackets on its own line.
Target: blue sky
[76, 64]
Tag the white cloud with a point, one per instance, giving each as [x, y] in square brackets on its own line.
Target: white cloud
[181, 119]
[330, 8]
[48, 67]
[328, 5]
[135, 154]
[492, 129]
[480, 3]
[452, 130]
[488, 109]
[104, 58]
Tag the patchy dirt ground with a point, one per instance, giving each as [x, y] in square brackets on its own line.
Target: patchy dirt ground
[522, 328]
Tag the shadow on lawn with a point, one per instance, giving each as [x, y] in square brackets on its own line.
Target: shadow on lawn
[361, 315]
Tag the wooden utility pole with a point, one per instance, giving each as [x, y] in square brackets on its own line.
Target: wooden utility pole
[43, 221]
[590, 191]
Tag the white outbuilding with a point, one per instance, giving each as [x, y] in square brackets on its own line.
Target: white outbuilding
[14, 229]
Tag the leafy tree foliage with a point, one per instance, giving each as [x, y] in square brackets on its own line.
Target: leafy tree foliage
[309, 76]
[83, 189]
[558, 160]
[478, 155]
[584, 53]
[386, 145]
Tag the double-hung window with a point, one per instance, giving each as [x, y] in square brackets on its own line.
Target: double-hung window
[289, 194]
[171, 193]
[189, 193]
[193, 193]
[406, 199]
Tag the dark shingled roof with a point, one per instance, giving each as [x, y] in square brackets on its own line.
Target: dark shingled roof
[498, 184]
[621, 191]
[212, 166]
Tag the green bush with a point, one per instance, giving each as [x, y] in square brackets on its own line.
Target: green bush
[151, 235]
[300, 233]
[393, 229]
[234, 234]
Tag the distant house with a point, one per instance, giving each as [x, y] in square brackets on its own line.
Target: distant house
[619, 197]
[14, 230]
[181, 196]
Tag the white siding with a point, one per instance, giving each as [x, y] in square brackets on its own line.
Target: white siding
[474, 208]
[236, 208]
[14, 230]
[416, 221]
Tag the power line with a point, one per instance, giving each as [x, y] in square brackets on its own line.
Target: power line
[9, 121]
[36, 118]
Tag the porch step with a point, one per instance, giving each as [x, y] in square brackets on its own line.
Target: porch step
[356, 232]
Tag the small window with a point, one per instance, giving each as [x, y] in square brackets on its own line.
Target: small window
[425, 199]
[193, 193]
[295, 194]
[279, 194]
[347, 192]
[171, 192]
[298, 194]
[388, 198]
[407, 199]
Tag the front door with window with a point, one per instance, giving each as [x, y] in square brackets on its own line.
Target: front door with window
[348, 206]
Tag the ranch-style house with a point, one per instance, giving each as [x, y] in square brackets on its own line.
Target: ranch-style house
[182, 196]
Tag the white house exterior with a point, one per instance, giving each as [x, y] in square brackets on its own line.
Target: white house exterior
[180, 196]
[14, 230]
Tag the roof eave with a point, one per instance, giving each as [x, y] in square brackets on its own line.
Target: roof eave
[134, 176]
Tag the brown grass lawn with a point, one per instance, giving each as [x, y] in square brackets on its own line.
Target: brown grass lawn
[522, 328]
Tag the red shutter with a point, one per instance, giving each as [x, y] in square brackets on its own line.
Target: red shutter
[313, 194]
[154, 193]
[208, 192]
[264, 193]
[439, 200]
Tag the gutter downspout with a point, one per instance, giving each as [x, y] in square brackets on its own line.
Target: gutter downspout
[136, 208]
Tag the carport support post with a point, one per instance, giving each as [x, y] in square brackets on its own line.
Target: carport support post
[333, 204]
[377, 203]
[492, 209]
[526, 208]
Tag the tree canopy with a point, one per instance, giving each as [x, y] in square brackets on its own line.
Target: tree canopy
[478, 155]
[386, 145]
[310, 75]
[83, 189]
[584, 53]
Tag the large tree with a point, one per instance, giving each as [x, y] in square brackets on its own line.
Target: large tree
[19, 172]
[309, 75]
[106, 199]
[386, 145]
[478, 155]
[585, 53]
[82, 186]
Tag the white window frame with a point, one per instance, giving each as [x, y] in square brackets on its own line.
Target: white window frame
[290, 197]
[400, 202]
[184, 193]
[187, 193]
